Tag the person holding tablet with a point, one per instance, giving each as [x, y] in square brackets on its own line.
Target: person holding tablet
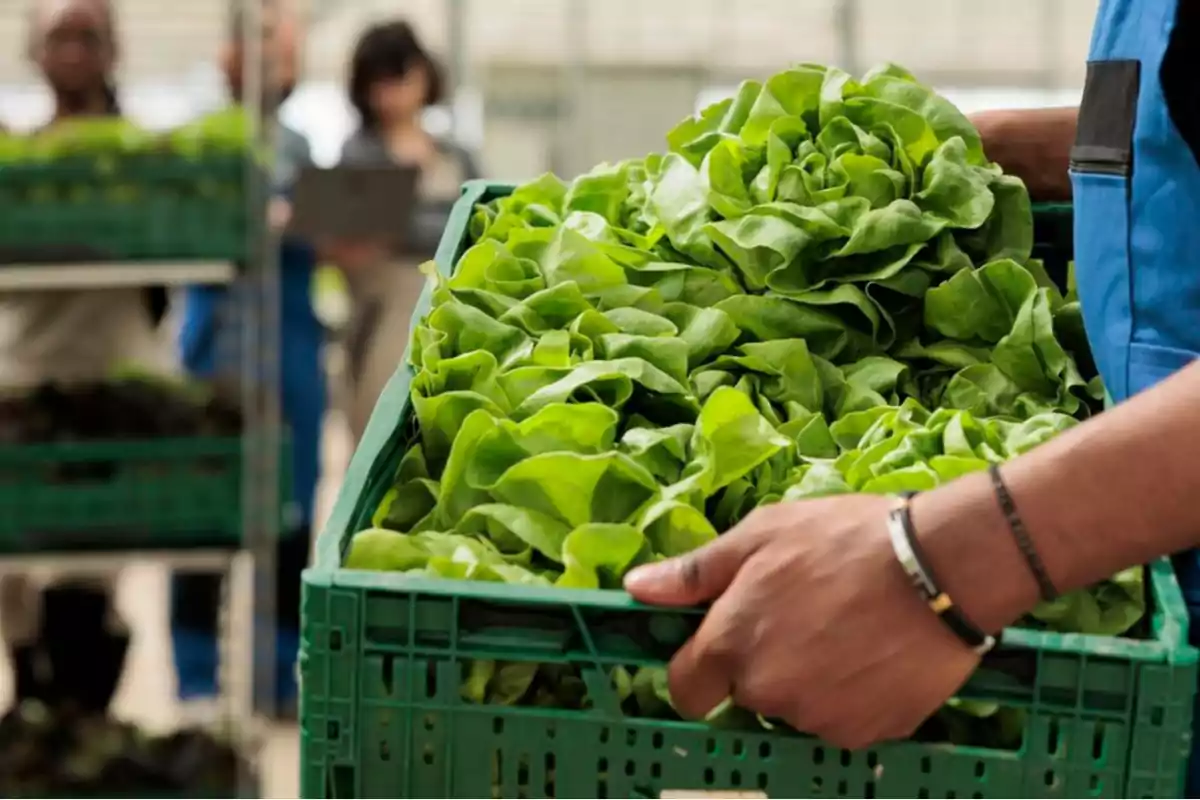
[393, 79]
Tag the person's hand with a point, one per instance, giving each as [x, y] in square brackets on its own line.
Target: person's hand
[813, 622]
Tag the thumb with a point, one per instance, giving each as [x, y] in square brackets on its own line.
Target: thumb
[694, 577]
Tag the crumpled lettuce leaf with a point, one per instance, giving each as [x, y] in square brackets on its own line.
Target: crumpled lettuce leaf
[822, 287]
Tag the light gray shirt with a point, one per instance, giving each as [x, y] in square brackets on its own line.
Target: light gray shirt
[439, 186]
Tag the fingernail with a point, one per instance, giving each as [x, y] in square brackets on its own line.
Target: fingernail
[647, 573]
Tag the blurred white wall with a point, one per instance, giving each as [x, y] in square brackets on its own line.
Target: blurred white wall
[587, 80]
[159, 37]
[562, 84]
[1015, 42]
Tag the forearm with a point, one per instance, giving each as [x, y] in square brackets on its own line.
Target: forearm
[1035, 145]
[1116, 491]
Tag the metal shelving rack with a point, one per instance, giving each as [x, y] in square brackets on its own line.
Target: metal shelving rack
[247, 614]
[261, 403]
[113, 274]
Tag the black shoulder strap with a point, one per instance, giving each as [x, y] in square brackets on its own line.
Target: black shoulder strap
[1178, 74]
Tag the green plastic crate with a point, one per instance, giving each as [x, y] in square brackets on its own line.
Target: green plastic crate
[130, 208]
[382, 657]
[103, 496]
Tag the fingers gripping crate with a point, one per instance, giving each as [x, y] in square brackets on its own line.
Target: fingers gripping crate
[383, 658]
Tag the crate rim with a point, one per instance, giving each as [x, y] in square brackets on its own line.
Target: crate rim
[174, 448]
[1168, 624]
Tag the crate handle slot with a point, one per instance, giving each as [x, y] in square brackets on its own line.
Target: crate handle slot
[633, 636]
[607, 629]
[1020, 665]
[597, 638]
[565, 634]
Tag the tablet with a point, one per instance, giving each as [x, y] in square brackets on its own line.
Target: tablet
[375, 203]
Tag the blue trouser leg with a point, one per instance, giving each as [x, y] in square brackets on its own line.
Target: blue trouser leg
[194, 604]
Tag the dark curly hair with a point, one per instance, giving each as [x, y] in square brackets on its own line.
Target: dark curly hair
[389, 50]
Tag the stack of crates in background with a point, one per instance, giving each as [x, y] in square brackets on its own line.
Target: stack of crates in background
[104, 463]
[104, 191]
[97, 204]
[384, 657]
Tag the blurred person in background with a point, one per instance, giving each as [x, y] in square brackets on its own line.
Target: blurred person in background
[392, 80]
[62, 633]
[209, 338]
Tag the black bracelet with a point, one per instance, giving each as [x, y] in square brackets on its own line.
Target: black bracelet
[911, 557]
[1021, 534]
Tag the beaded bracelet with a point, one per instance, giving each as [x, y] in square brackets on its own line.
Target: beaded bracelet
[1021, 534]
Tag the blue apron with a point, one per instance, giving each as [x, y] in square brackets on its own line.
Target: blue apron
[1136, 189]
